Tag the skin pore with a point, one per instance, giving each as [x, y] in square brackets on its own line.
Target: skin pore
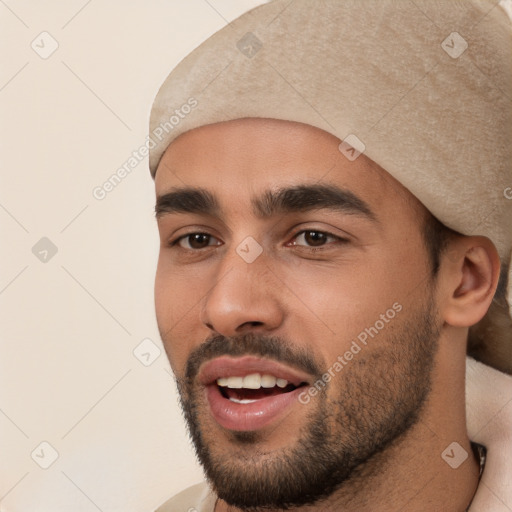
[372, 438]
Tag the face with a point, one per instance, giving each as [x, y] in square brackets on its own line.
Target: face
[294, 299]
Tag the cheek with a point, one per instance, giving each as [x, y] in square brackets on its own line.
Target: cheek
[340, 303]
[176, 292]
[164, 298]
[174, 301]
[330, 307]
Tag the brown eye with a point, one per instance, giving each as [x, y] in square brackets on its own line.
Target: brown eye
[194, 241]
[314, 238]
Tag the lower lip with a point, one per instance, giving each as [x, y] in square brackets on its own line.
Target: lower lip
[248, 417]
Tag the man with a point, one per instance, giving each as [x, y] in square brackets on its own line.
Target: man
[333, 204]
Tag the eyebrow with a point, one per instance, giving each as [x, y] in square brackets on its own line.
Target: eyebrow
[299, 198]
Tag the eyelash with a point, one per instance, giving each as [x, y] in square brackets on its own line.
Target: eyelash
[338, 239]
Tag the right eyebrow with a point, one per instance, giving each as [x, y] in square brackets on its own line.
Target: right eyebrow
[187, 200]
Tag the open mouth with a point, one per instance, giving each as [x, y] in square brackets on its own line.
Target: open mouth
[253, 387]
[249, 393]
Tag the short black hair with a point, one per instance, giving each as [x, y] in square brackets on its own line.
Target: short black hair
[436, 236]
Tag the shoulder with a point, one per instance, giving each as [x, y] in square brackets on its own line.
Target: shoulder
[489, 416]
[198, 498]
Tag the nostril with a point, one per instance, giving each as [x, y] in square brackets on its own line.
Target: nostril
[254, 324]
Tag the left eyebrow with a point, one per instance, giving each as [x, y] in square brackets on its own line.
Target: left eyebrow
[304, 198]
[299, 198]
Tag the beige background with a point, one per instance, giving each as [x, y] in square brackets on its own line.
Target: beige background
[71, 321]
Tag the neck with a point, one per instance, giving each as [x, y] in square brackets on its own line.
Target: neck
[411, 474]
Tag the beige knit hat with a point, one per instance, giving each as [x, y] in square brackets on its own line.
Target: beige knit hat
[423, 88]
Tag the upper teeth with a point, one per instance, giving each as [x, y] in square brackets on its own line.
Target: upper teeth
[252, 381]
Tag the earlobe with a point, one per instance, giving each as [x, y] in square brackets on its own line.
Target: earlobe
[471, 273]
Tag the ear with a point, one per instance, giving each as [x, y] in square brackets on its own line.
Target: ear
[468, 279]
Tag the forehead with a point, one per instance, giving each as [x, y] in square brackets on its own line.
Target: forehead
[238, 159]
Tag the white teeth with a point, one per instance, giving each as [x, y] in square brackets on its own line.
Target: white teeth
[268, 381]
[235, 382]
[252, 381]
[244, 401]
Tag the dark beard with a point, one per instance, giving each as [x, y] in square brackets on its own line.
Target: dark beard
[380, 397]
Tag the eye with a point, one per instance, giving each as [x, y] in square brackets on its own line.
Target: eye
[306, 238]
[315, 238]
[194, 241]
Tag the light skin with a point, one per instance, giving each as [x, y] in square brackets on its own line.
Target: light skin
[319, 296]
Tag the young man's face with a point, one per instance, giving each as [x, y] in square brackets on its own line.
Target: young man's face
[329, 295]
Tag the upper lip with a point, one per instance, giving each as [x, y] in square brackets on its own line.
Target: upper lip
[227, 366]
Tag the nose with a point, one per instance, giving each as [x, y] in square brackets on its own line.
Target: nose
[243, 298]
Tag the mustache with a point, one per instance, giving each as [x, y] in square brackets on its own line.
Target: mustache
[271, 347]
